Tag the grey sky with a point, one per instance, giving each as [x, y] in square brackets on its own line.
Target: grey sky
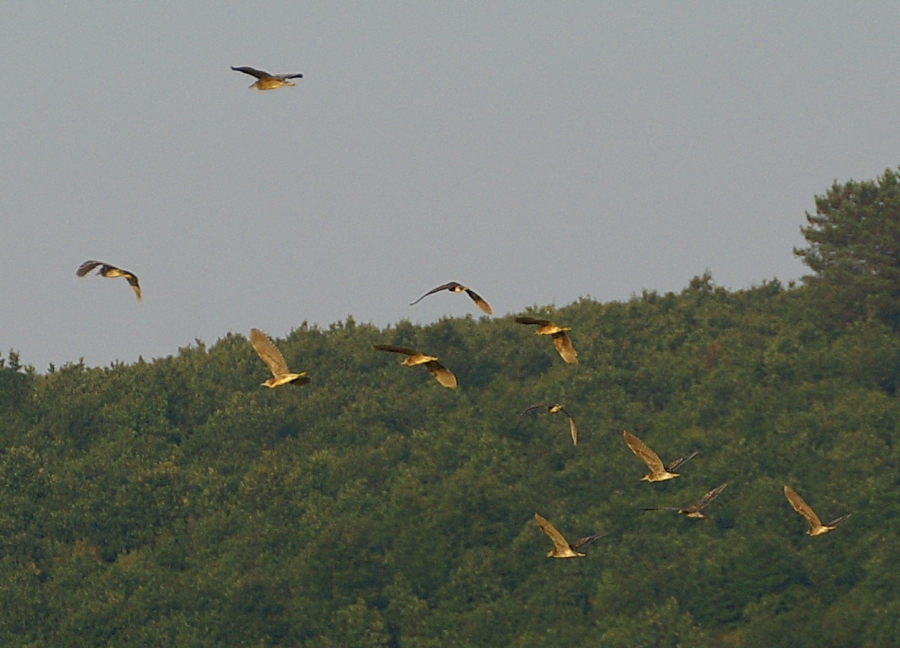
[535, 151]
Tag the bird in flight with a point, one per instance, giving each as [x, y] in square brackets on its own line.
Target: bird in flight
[553, 408]
[693, 511]
[560, 340]
[111, 272]
[561, 547]
[658, 472]
[453, 286]
[270, 354]
[266, 81]
[414, 358]
[816, 528]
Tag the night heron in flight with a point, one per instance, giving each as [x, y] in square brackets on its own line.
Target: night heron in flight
[453, 286]
[693, 511]
[111, 272]
[560, 340]
[553, 408]
[266, 81]
[270, 354]
[816, 528]
[658, 472]
[561, 546]
[414, 358]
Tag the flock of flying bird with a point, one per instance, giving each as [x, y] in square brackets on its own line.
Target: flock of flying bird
[282, 375]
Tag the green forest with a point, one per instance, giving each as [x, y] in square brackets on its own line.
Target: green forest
[177, 502]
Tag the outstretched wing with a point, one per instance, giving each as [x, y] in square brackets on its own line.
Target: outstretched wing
[585, 541]
[555, 536]
[564, 346]
[86, 267]
[531, 320]
[837, 521]
[675, 465]
[285, 77]
[483, 305]
[268, 352]
[802, 508]
[531, 408]
[447, 286]
[133, 282]
[441, 373]
[644, 453]
[393, 348]
[706, 499]
[259, 74]
[572, 429]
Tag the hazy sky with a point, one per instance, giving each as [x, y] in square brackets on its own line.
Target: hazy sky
[537, 152]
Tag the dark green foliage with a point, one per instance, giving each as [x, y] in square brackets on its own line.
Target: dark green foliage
[178, 503]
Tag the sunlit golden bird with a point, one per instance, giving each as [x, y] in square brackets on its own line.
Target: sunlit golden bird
[111, 272]
[693, 511]
[266, 81]
[453, 286]
[270, 354]
[553, 408]
[560, 339]
[658, 472]
[816, 528]
[561, 547]
[414, 358]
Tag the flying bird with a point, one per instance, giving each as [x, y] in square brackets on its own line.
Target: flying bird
[414, 358]
[111, 272]
[816, 528]
[561, 547]
[658, 472]
[270, 354]
[553, 408]
[693, 511]
[458, 287]
[560, 340]
[266, 81]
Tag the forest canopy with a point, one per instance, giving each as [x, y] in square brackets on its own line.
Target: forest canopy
[178, 503]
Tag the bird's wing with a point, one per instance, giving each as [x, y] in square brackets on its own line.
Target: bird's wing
[706, 499]
[441, 373]
[479, 301]
[268, 352]
[555, 536]
[572, 429]
[393, 348]
[585, 541]
[564, 346]
[285, 77]
[86, 267]
[802, 508]
[638, 447]
[531, 320]
[447, 286]
[259, 74]
[837, 521]
[530, 408]
[675, 465]
[133, 282]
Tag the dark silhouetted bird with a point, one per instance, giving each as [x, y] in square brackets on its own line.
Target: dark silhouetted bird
[553, 408]
[693, 511]
[414, 358]
[458, 287]
[111, 272]
[266, 81]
